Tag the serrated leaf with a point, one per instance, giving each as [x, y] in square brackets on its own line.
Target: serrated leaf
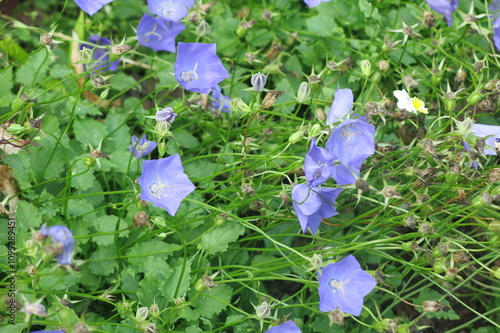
[77, 207]
[177, 284]
[186, 139]
[27, 215]
[89, 131]
[149, 291]
[83, 110]
[213, 301]
[103, 261]
[107, 224]
[217, 239]
[122, 81]
[139, 252]
[432, 295]
[35, 69]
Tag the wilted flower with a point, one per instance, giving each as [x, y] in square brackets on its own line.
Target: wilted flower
[100, 55]
[409, 104]
[287, 327]
[343, 285]
[35, 309]
[258, 82]
[444, 7]
[312, 204]
[314, 3]
[158, 33]
[198, 68]
[172, 10]
[166, 114]
[142, 147]
[220, 102]
[164, 183]
[91, 6]
[341, 106]
[317, 165]
[490, 133]
[63, 238]
[353, 138]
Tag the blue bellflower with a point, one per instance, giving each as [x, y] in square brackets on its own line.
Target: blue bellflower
[63, 238]
[495, 8]
[314, 3]
[91, 6]
[343, 285]
[57, 331]
[100, 56]
[312, 204]
[220, 102]
[164, 183]
[142, 147]
[198, 68]
[467, 149]
[444, 7]
[353, 138]
[341, 106]
[317, 165]
[158, 33]
[166, 114]
[491, 133]
[173, 10]
[287, 327]
[345, 174]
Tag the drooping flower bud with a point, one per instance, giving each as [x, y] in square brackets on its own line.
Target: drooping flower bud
[258, 82]
[304, 92]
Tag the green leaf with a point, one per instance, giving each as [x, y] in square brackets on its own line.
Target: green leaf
[122, 81]
[432, 295]
[107, 224]
[149, 291]
[35, 69]
[139, 252]
[177, 284]
[186, 139]
[6, 96]
[321, 25]
[213, 301]
[218, 239]
[193, 329]
[77, 207]
[27, 215]
[103, 261]
[89, 131]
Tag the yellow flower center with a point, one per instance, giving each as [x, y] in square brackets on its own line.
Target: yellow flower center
[419, 105]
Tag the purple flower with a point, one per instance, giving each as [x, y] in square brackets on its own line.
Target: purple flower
[164, 183]
[172, 10]
[63, 238]
[166, 114]
[91, 6]
[142, 147]
[57, 331]
[158, 33]
[198, 68]
[467, 148]
[314, 3]
[343, 285]
[341, 106]
[287, 327]
[220, 102]
[312, 204]
[258, 82]
[490, 133]
[445, 7]
[496, 32]
[353, 138]
[346, 173]
[317, 165]
[100, 56]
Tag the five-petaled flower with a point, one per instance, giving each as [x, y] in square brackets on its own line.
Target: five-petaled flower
[91, 6]
[312, 204]
[409, 104]
[353, 138]
[317, 165]
[100, 55]
[444, 7]
[172, 10]
[343, 285]
[286, 327]
[141, 147]
[63, 238]
[198, 68]
[157, 33]
[164, 183]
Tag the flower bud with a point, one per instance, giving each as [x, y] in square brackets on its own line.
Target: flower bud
[494, 226]
[15, 129]
[142, 314]
[314, 131]
[220, 219]
[166, 114]
[258, 82]
[366, 67]
[296, 137]
[244, 27]
[316, 261]
[304, 92]
[158, 221]
[194, 17]
[237, 104]
[154, 311]
[203, 29]
[35, 309]
[263, 310]
[475, 97]
[200, 286]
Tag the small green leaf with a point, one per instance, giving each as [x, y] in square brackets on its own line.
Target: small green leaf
[103, 261]
[177, 284]
[107, 224]
[139, 252]
[213, 301]
[27, 215]
[217, 239]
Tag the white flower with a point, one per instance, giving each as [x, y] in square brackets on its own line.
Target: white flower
[409, 104]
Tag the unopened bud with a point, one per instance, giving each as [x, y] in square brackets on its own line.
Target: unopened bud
[154, 310]
[494, 226]
[383, 65]
[316, 261]
[166, 114]
[237, 104]
[296, 137]
[203, 28]
[304, 92]
[263, 310]
[475, 97]
[142, 314]
[258, 82]
[194, 17]
[366, 67]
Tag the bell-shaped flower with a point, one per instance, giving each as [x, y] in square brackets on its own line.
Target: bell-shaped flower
[343, 285]
[100, 55]
[158, 33]
[198, 68]
[444, 7]
[286, 327]
[62, 237]
[220, 102]
[91, 6]
[491, 134]
[317, 165]
[142, 147]
[345, 174]
[314, 3]
[166, 114]
[164, 183]
[173, 10]
[312, 204]
[409, 104]
[341, 106]
[353, 138]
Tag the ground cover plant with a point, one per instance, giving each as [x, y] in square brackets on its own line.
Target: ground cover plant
[249, 166]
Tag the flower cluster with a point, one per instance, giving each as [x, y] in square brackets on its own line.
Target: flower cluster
[350, 143]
